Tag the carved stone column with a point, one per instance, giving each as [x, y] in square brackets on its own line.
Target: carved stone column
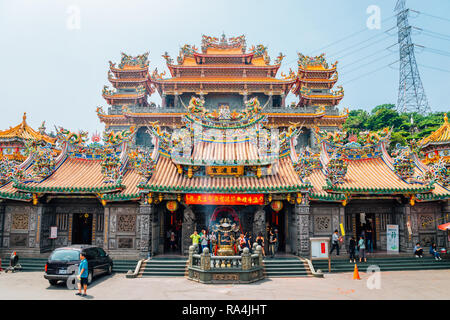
[301, 212]
[145, 233]
[187, 229]
[342, 246]
[259, 222]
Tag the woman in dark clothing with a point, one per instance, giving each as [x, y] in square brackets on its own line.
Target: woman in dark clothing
[260, 242]
[351, 249]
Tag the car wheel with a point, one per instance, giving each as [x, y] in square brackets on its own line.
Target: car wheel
[109, 269]
[53, 282]
[89, 279]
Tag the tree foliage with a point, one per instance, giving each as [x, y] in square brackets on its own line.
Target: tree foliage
[405, 126]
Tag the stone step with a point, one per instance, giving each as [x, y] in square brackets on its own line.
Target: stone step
[163, 274]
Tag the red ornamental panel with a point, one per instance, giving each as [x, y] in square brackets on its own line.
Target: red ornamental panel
[224, 199]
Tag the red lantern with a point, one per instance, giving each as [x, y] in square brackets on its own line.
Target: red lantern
[276, 207]
[172, 206]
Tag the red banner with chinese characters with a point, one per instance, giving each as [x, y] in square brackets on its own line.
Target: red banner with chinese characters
[224, 199]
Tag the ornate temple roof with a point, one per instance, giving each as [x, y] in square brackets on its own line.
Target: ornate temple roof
[24, 132]
[440, 136]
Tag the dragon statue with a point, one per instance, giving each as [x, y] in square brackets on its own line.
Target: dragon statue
[64, 135]
[196, 105]
[290, 76]
[168, 59]
[114, 138]
[252, 107]
[339, 91]
[307, 161]
[336, 170]
[110, 166]
[140, 60]
[141, 160]
[44, 163]
[100, 110]
[305, 61]
[403, 162]
[7, 170]
[157, 76]
[108, 92]
[437, 172]
[279, 58]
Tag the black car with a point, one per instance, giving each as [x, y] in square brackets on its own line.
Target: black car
[63, 263]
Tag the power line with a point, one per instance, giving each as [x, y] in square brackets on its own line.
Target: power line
[349, 36]
[369, 73]
[365, 47]
[364, 58]
[371, 62]
[434, 68]
[352, 46]
[432, 16]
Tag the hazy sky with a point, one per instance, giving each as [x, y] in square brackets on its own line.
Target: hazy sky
[55, 71]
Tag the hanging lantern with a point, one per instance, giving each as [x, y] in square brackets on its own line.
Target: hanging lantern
[276, 207]
[172, 206]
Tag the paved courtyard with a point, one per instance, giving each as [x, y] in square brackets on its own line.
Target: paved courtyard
[394, 285]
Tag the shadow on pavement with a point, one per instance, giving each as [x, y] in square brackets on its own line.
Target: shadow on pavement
[96, 281]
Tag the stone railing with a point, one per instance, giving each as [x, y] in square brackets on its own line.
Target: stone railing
[207, 268]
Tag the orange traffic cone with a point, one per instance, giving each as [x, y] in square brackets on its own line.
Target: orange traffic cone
[356, 273]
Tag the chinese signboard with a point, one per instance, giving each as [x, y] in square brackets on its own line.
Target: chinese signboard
[225, 199]
[392, 237]
[225, 171]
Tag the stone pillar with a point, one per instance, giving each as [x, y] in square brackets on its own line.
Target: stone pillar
[145, 233]
[283, 100]
[246, 259]
[270, 105]
[191, 253]
[301, 212]
[413, 225]
[343, 246]
[163, 101]
[446, 216]
[187, 229]
[35, 226]
[175, 100]
[205, 259]
[259, 222]
[260, 255]
[106, 228]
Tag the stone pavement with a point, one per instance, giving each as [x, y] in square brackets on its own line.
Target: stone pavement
[394, 285]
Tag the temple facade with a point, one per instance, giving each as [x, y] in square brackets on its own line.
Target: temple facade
[224, 147]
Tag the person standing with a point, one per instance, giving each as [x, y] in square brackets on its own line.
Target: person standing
[362, 249]
[195, 240]
[204, 240]
[83, 273]
[335, 242]
[242, 243]
[351, 249]
[271, 243]
[172, 241]
[369, 235]
[260, 242]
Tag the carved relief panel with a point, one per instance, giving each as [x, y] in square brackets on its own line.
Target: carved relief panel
[126, 223]
[19, 221]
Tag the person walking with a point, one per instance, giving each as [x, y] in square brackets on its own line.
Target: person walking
[271, 243]
[434, 252]
[362, 249]
[172, 241]
[351, 249]
[335, 242]
[418, 251]
[248, 237]
[260, 242]
[83, 273]
[195, 240]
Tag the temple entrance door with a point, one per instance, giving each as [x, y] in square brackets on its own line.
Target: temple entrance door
[363, 223]
[172, 223]
[276, 221]
[82, 228]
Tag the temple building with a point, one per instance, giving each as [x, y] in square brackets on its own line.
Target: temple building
[223, 147]
[13, 141]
